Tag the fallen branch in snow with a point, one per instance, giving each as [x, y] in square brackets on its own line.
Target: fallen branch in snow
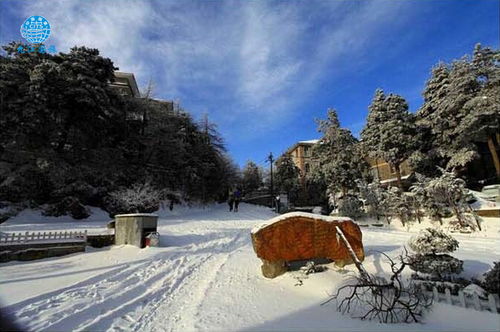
[389, 301]
[355, 259]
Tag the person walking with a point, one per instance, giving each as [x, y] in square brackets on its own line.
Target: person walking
[230, 200]
[237, 199]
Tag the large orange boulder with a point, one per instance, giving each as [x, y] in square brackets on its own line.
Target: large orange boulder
[301, 236]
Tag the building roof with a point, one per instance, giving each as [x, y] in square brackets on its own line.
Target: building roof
[126, 82]
[309, 142]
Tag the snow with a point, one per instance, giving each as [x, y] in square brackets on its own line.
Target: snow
[205, 276]
[395, 179]
[312, 141]
[295, 215]
[137, 215]
[33, 220]
[481, 203]
[475, 289]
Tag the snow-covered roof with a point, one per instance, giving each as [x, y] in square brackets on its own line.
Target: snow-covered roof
[312, 141]
[137, 215]
[298, 214]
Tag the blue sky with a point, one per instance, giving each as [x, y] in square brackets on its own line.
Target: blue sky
[263, 71]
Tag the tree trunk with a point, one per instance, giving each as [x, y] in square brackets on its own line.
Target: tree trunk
[494, 154]
[398, 176]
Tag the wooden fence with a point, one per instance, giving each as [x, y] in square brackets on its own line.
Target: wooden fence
[27, 237]
[464, 300]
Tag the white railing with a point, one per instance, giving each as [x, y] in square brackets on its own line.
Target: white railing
[465, 300]
[27, 237]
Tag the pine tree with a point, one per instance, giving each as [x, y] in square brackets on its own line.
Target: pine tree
[390, 132]
[338, 160]
[68, 138]
[462, 106]
[287, 176]
[251, 177]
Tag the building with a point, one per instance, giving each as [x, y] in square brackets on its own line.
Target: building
[125, 84]
[301, 155]
[381, 170]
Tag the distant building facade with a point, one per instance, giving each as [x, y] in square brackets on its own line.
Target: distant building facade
[301, 154]
[386, 174]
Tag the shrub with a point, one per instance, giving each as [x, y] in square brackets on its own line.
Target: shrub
[67, 206]
[437, 265]
[351, 207]
[431, 246]
[433, 241]
[492, 279]
[140, 198]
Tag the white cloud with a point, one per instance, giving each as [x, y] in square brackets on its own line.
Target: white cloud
[248, 63]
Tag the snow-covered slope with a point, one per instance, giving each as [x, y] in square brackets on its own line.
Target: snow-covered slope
[205, 276]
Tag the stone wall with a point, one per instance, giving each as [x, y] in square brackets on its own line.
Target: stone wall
[99, 241]
[33, 252]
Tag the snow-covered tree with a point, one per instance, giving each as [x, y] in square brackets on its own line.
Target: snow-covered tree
[373, 196]
[252, 177]
[338, 160]
[398, 204]
[461, 107]
[140, 198]
[390, 132]
[287, 176]
[82, 140]
[431, 247]
[351, 206]
[492, 279]
[443, 195]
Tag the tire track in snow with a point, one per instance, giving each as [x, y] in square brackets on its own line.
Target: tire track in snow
[188, 297]
[67, 310]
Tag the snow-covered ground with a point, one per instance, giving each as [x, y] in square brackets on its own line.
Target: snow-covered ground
[205, 276]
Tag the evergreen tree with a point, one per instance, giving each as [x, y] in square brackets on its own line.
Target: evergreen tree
[462, 106]
[287, 176]
[390, 132]
[338, 160]
[251, 177]
[67, 138]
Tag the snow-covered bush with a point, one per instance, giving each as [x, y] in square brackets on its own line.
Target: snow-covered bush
[492, 279]
[350, 206]
[431, 247]
[373, 195]
[399, 204]
[140, 198]
[67, 206]
[437, 265]
[432, 241]
[444, 196]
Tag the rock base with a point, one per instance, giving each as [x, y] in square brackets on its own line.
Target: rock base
[273, 269]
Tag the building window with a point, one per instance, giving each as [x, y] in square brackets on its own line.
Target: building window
[393, 170]
[306, 151]
[307, 168]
